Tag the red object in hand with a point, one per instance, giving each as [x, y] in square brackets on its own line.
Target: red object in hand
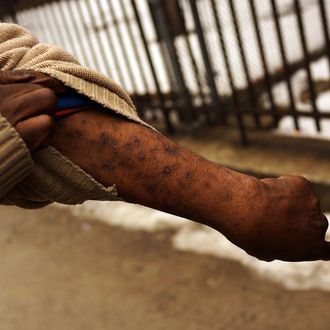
[66, 112]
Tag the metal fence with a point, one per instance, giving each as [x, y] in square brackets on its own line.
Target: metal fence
[198, 62]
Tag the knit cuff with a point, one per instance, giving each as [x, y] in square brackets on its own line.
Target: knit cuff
[15, 159]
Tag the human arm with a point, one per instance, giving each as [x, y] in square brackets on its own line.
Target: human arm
[270, 219]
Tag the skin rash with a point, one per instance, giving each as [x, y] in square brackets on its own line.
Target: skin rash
[270, 219]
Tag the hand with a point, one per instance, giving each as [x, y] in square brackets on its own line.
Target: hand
[288, 224]
[28, 107]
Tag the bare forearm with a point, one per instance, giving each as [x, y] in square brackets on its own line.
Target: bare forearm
[272, 218]
[150, 169]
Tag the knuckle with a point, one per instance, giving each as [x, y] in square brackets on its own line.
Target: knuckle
[302, 182]
[48, 95]
[315, 202]
[48, 123]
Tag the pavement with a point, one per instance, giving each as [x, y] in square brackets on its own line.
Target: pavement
[59, 272]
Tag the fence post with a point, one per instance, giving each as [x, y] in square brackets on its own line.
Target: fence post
[166, 37]
[160, 95]
[206, 59]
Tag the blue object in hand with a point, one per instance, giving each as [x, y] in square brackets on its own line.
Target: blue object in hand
[72, 101]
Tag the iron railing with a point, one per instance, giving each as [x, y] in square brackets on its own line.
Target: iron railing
[198, 62]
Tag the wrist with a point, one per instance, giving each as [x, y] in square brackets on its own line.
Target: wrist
[239, 207]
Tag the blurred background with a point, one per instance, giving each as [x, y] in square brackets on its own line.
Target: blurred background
[245, 83]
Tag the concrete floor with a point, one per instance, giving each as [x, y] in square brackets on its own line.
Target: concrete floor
[58, 272]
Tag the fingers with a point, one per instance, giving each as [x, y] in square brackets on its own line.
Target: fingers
[15, 77]
[34, 103]
[36, 131]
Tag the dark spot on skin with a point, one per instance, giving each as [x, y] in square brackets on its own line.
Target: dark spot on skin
[138, 175]
[109, 167]
[150, 188]
[136, 141]
[83, 121]
[113, 141]
[113, 145]
[206, 185]
[123, 164]
[169, 169]
[104, 139]
[182, 184]
[141, 156]
[227, 196]
[69, 135]
[78, 133]
[128, 146]
[171, 150]
[188, 175]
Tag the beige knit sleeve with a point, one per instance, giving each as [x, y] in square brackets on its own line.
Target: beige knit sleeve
[15, 159]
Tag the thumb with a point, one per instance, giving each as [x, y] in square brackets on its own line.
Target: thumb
[15, 77]
[36, 131]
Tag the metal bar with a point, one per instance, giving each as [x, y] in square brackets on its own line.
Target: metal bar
[60, 27]
[235, 98]
[302, 113]
[325, 26]
[208, 66]
[164, 29]
[87, 35]
[53, 31]
[101, 47]
[66, 27]
[76, 11]
[111, 48]
[264, 62]
[285, 63]
[23, 19]
[39, 31]
[134, 46]
[165, 112]
[238, 33]
[76, 31]
[120, 37]
[311, 86]
[93, 33]
[45, 26]
[192, 57]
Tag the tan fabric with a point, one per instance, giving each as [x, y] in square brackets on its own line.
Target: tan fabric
[56, 179]
[15, 159]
